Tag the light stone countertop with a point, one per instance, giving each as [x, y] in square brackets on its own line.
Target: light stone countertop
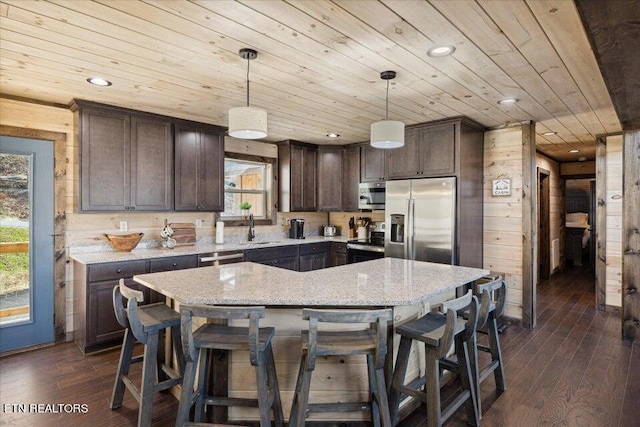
[380, 282]
[200, 248]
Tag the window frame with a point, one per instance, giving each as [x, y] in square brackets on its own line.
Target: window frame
[272, 194]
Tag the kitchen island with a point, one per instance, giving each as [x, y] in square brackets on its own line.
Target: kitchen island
[408, 287]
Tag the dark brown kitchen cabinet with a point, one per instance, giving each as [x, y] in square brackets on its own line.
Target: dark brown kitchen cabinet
[199, 168]
[314, 256]
[372, 164]
[126, 159]
[338, 254]
[282, 256]
[429, 150]
[297, 162]
[330, 170]
[95, 324]
[350, 178]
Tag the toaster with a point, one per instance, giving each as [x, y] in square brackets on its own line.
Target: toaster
[329, 231]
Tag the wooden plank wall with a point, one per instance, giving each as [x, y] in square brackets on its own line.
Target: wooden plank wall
[613, 201]
[502, 248]
[556, 204]
[600, 238]
[631, 239]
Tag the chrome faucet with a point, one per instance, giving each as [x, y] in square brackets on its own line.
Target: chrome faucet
[251, 234]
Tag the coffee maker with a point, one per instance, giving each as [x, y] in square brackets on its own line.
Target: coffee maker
[296, 228]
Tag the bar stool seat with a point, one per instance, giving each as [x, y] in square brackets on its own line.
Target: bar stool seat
[440, 333]
[144, 324]
[370, 342]
[198, 347]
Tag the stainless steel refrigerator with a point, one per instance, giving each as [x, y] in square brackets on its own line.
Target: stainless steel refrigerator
[420, 220]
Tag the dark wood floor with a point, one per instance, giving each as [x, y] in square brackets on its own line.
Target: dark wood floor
[572, 370]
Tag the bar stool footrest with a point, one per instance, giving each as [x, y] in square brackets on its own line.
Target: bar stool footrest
[455, 405]
[231, 401]
[339, 407]
[489, 369]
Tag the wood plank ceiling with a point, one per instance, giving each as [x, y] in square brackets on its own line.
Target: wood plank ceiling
[318, 64]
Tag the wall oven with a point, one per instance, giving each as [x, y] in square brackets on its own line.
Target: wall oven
[371, 195]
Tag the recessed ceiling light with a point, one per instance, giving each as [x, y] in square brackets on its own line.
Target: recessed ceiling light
[99, 81]
[549, 133]
[574, 151]
[507, 101]
[333, 135]
[438, 51]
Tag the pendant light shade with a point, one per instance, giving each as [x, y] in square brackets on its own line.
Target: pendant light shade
[387, 133]
[247, 122]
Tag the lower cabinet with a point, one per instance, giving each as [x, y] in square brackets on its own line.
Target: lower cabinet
[95, 323]
[314, 256]
[281, 256]
[303, 257]
[338, 254]
[102, 326]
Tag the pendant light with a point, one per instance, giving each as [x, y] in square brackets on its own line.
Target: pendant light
[247, 122]
[387, 133]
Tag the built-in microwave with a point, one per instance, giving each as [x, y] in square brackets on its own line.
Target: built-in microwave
[371, 195]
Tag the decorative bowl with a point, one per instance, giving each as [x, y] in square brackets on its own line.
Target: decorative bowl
[124, 242]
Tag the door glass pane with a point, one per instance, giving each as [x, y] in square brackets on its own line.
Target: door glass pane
[14, 238]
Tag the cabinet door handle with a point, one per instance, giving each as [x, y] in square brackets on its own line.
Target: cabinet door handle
[175, 264]
[119, 271]
[133, 208]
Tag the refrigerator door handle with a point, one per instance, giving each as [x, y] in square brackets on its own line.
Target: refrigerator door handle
[410, 232]
[407, 230]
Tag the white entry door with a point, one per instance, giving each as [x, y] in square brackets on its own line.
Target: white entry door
[26, 243]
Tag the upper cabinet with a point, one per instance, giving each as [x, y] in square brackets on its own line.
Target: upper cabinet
[330, 169]
[372, 161]
[429, 150]
[126, 159]
[298, 177]
[338, 178]
[199, 168]
[350, 178]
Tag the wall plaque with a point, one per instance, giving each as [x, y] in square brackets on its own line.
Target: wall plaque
[501, 187]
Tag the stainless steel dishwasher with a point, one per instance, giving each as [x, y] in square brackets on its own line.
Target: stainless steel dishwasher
[220, 258]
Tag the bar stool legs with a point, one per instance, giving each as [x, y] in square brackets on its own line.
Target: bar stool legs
[199, 347]
[369, 342]
[492, 301]
[144, 324]
[439, 332]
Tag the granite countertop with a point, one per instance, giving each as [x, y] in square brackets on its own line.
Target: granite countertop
[380, 282]
[200, 248]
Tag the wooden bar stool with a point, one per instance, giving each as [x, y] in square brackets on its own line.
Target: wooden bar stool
[198, 347]
[371, 342]
[144, 323]
[493, 294]
[439, 332]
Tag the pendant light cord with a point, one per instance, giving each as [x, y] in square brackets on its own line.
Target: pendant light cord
[387, 113]
[248, 61]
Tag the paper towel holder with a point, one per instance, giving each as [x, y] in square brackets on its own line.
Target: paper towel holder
[219, 232]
